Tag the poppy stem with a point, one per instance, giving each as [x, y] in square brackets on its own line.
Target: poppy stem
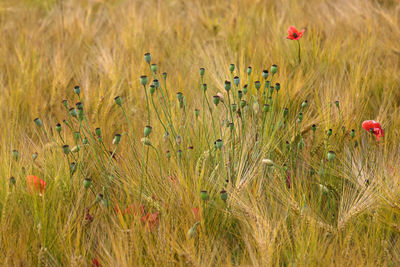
[298, 43]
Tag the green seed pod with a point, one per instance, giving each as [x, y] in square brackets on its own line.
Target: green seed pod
[35, 155]
[117, 139]
[204, 195]
[85, 141]
[245, 89]
[277, 87]
[58, 127]
[38, 122]
[257, 84]
[13, 181]
[265, 74]
[240, 94]
[168, 154]
[202, 71]
[231, 126]
[77, 90]
[178, 140]
[337, 103]
[153, 68]
[352, 133]
[219, 143]
[196, 112]
[15, 154]
[227, 85]
[147, 130]
[300, 117]
[143, 80]
[249, 70]
[216, 100]
[274, 69]
[179, 95]
[164, 75]
[79, 105]
[77, 135]
[204, 87]
[329, 133]
[242, 103]
[179, 153]
[236, 80]
[266, 108]
[304, 104]
[72, 112]
[231, 67]
[224, 195]
[118, 100]
[87, 183]
[152, 89]
[314, 127]
[66, 149]
[285, 112]
[65, 103]
[156, 83]
[98, 132]
[331, 155]
[147, 57]
[233, 107]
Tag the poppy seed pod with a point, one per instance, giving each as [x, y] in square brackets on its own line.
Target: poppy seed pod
[236, 80]
[147, 130]
[219, 143]
[178, 140]
[204, 195]
[274, 69]
[147, 57]
[179, 95]
[257, 84]
[117, 139]
[245, 89]
[224, 195]
[38, 122]
[143, 80]
[266, 108]
[87, 182]
[231, 126]
[35, 155]
[242, 103]
[216, 100]
[72, 112]
[314, 127]
[329, 133]
[152, 89]
[58, 127]
[66, 149]
[15, 154]
[65, 103]
[98, 132]
[352, 133]
[79, 105]
[231, 67]
[240, 94]
[77, 135]
[202, 71]
[249, 70]
[300, 117]
[227, 85]
[168, 154]
[285, 112]
[304, 104]
[234, 107]
[179, 153]
[13, 181]
[337, 103]
[77, 90]
[156, 83]
[85, 141]
[331, 155]
[265, 74]
[164, 75]
[196, 112]
[153, 68]
[277, 87]
[268, 162]
[118, 100]
[204, 87]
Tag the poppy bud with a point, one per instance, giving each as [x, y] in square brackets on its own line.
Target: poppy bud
[77, 135]
[58, 127]
[153, 68]
[76, 149]
[66, 149]
[204, 87]
[168, 154]
[266, 108]
[179, 95]
[152, 89]
[87, 182]
[352, 133]
[202, 71]
[38, 122]
[271, 88]
[236, 80]
[231, 67]
[164, 75]
[300, 117]
[329, 132]
[65, 103]
[85, 141]
[13, 181]
[72, 112]
[331, 155]
[196, 112]
[178, 140]
[35, 155]
[314, 127]
[117, 139]
[234, 107]
[192, 231]
[218, 144]
[15, 154]
[179, 153]
[216, 100]
[146, 141]
[242, 103]
[337, 103]
[304, 104]
[245, 89]
[227, 85]
[265, 74]
[277, 87]
[118, 100]
[268, 162]
[147, 130]
[143, 80]
[224, 195]
[98, 132]
[240, 94]
[249, 70]
[77, 90]
[274, 69]
[204, 195]
[147, 57]
[257, 84]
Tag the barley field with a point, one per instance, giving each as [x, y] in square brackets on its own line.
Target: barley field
[199, 133]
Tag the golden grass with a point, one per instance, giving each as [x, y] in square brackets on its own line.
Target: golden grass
[350, 53]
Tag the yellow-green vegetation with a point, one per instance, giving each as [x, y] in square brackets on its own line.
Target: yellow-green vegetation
[174, 172]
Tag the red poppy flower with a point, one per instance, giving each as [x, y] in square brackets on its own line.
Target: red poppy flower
[35, 183]
[294, 34]
[151, 219]
[373, 127]
[95, 263]
[196, 213]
